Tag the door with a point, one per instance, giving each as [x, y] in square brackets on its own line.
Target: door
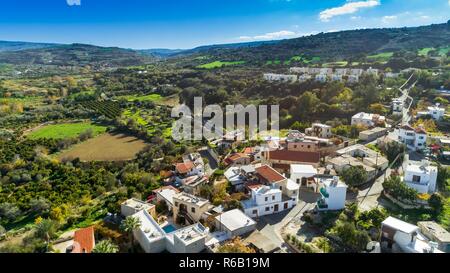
[285, 205]
[275, 208]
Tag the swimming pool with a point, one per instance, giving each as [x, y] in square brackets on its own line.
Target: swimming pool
[169, 228]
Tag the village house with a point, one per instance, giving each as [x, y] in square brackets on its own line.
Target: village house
[436, 112]
[414, 138]
[341, 71]
[282, 159]
[238, 176]
[372, 71]
[304, 77]
[397, 106]
[321, 78]
[436, 233]
[420, 176]
[193, 184]
[353, 79]
[369, 120]
[356, 72]
[166, 194]
[83, 241]
[299, 70]
[319, 130]
[189, 208]
[238, 159]
[333, 194]
[153, 239]
[336, 78]
[302, 174]
[399, 236]
[372, 134]
[366, 155]
[234, 223]
[133, 205]
[280, 77]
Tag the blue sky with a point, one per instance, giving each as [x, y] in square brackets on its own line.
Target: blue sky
[189, 23]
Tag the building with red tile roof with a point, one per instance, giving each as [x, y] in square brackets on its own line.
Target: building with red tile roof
[84, 240]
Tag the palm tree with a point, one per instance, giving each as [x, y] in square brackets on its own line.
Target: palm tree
[105, 246]
[129, 225]
[46, 230]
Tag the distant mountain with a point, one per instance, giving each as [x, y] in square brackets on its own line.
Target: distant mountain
[76, 55]
[17, 46]
[343, 45]
[160, 52]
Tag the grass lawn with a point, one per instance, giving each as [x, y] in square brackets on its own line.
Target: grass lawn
[219, 64]
[444, 50]
[150, 97]
[66, 130]
[381, 57]
[26, 101]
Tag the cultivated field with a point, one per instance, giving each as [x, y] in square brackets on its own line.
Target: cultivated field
[106, 147]
[65, 130]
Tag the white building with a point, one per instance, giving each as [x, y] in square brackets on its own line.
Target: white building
[353, 79]
[319, 130]
[421, 176]
[304, 77]
[403, 237]
[326, 71]
[267, 200]
[300, 174]
[414, 139]
[280, 77]
[436, 112]
[131, 206]
[153, 239]
[235, 223]
[321, 78]
[391, 75]
[341, 71]
[166, 194]
[397, 106]
[299, 70]
[333, 194]
[367, 119]
[372, 71]
[336, 77]
[356, 72]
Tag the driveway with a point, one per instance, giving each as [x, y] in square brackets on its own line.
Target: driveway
[271, 225]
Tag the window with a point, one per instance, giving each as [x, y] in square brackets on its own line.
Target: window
[193, 210]
[255, 212]
[267, 208]
[281, 188]
[176, 204]
[295, 146]
[416, 178]
[273, 197]
[298, 180]
[267, 199]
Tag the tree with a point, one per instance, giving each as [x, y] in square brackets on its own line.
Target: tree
[46, 230]
[436, 202]
[354, 175]
[9, 211]
[236, 245]
[395, 187]
[352, 238]
[393, 150]
[105, 246]
[39, 205]
[129, 225]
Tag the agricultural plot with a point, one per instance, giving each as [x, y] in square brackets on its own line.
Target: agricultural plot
[109, 109]
[66, 130]
[157, 121]
[336, 64]
[150, 97]
[381, 57]
[219, 64]
[106, 147]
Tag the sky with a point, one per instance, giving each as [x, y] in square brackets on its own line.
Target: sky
[144, 24]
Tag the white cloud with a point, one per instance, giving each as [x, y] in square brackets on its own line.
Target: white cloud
[348, 8]
[270, 36]
[73, 2]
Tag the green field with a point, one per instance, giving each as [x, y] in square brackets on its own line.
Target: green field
[219, 64]
[336, 64]
[151, 97]
[26, 101]
[66, 130]
[381, 57]
[424, 51]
